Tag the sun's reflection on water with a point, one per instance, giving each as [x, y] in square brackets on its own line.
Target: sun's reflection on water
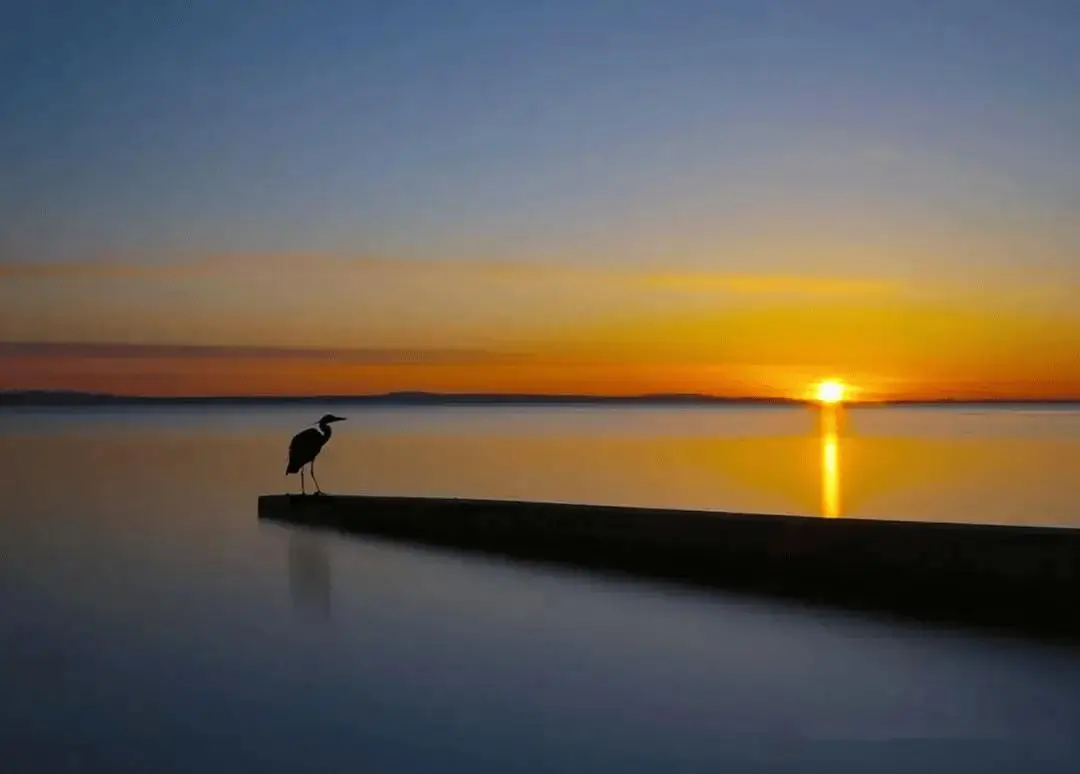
[830, 460]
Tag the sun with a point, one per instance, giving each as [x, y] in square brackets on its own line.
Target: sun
[830, 391]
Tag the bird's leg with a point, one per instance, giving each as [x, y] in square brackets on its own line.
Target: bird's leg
[303, 489]
[318, 489]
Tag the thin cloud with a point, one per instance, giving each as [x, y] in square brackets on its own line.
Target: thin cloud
[71, 269]
[216, 263]
[765, 284]
[632, 276]
[369, 356]
[155, 265]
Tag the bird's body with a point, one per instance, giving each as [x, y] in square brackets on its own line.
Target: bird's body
[305, 447]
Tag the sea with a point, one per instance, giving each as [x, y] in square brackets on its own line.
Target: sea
[149, 622]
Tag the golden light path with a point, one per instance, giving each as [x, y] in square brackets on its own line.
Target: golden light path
[830, 461]
[830, 394]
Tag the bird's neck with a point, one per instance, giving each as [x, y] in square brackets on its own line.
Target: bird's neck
[325, 430]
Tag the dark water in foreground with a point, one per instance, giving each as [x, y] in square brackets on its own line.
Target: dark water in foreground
[151, 623]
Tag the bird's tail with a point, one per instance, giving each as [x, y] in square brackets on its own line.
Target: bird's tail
[290, 468]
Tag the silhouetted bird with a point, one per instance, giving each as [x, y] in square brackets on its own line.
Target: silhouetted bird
[305, 447]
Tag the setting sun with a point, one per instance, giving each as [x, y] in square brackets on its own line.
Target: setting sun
[831, 391]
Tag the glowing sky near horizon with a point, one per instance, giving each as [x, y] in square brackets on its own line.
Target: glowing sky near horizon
[617, 196]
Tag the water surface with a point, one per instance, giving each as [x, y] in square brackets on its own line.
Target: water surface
[151, 623]
[1007, 465]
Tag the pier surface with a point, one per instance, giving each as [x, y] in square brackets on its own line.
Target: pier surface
[1014, 577]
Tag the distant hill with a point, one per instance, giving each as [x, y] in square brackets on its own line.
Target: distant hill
[75, 398]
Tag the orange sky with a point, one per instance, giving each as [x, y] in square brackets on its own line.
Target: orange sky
[489, 326]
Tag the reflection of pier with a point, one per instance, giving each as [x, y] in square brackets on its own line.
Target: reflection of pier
[1025, 577]
[830, 460]
[309, 571]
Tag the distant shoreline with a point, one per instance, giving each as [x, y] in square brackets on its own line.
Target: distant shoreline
[60, 398]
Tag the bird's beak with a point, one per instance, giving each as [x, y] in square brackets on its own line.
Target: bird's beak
[338, 419]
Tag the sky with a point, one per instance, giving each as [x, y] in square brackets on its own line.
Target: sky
[600, 196]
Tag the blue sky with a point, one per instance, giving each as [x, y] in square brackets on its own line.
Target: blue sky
[584, 130]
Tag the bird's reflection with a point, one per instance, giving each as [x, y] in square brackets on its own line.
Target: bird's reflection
[309, 572]
[830, 460]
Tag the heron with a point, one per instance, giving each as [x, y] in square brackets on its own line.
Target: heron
[305, 447]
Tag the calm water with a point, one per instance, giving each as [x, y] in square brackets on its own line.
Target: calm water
[151, 623]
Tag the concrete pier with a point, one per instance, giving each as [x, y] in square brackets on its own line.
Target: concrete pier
[1013, 577]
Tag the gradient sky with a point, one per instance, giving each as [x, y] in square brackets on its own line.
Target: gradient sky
[610, 196]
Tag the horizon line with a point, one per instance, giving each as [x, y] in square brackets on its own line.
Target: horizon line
[428, 395]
